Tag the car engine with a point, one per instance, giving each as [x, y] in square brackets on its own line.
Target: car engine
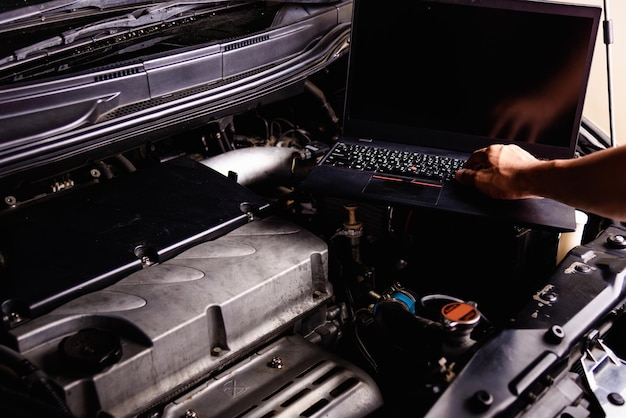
[175, 268]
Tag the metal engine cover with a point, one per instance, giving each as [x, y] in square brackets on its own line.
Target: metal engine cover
[293, 378]
[160, 331]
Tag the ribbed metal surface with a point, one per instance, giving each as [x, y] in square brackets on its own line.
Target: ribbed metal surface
[310, 383]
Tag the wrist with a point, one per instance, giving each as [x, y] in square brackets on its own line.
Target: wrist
[533, 179]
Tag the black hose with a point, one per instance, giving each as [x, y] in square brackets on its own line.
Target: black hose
[39, 397]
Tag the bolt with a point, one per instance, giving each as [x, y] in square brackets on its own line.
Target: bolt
[555, 334]
[276, 363]
[617, 241]
[190, 413]
[10, 200]
[480, 401]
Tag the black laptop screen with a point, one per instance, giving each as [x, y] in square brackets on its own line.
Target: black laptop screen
[470, 72]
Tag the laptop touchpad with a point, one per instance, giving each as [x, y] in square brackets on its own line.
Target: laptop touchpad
[404, 189]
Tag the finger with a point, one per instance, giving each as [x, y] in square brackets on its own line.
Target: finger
[478, 160]
[465, 176]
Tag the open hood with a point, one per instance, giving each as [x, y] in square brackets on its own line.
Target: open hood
[80, 80]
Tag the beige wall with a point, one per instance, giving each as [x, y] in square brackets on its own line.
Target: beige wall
[597, 99]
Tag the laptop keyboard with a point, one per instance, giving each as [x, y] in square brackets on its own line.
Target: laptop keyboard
[386, 161]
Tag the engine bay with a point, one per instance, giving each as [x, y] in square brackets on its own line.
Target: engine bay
[232, 272]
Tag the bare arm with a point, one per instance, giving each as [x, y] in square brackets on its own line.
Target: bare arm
[594, 183]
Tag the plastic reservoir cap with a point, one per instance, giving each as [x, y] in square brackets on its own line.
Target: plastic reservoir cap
[460, 312]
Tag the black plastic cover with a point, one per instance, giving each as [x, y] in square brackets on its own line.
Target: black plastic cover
[87, 239]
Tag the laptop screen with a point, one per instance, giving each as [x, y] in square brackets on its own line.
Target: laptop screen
[462, 74]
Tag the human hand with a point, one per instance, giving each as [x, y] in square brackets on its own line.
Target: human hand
[498, 171]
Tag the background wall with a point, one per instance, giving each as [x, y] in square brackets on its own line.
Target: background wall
[597, 99]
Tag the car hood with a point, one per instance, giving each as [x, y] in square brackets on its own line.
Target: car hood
[85, 79]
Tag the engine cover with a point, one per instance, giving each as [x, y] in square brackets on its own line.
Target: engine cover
[166, 328]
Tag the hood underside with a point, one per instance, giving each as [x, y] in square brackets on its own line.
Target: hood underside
[83, 83]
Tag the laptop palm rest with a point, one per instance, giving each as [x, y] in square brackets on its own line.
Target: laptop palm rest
[404, 188]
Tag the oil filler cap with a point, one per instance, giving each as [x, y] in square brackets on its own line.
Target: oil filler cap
[90, 350]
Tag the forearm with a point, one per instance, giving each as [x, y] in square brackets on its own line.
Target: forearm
[595, 183]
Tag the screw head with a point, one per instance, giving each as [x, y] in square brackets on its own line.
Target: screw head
[276, 363]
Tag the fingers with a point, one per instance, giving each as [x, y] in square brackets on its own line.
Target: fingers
[478, 160]
[465, 176]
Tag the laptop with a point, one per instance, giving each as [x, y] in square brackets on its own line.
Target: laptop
[447, 77]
